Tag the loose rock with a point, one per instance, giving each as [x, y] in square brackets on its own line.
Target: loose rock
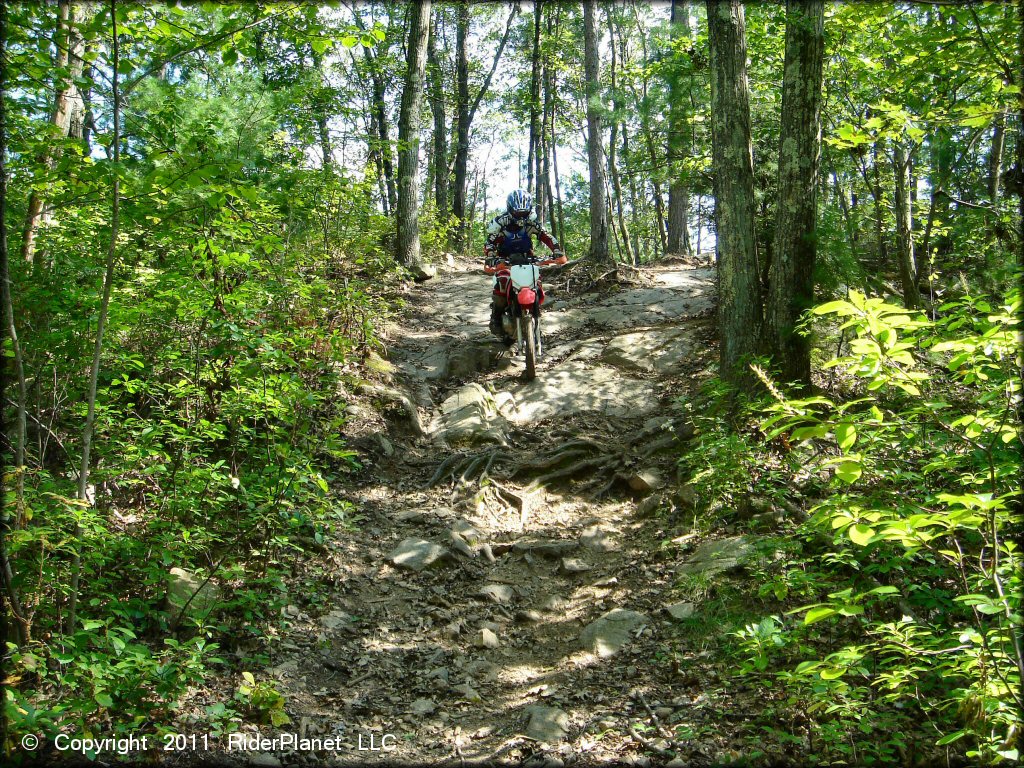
[499, 593]
[572, 565]
[487, 639]
[679, 611]
[607, 635]
[718, 556]
[417, 554]
[547, 724]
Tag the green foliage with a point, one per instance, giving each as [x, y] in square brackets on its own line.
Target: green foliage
[924, 460]
[263, 699]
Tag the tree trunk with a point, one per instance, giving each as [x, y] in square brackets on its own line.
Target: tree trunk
[66, 115]
[101, 321]
[790, 283]
[612, 166]
[408, 135]
[9, 593]
[599, 252]
[635, 201]
[678, 139]
[535, 130]
[440, 152]
[319, 107]
[1020, 132]
[553, 27]
[547, 136]
[381, 122]
[739, 289]
[466, 111]
[904, 232]
[995, 158]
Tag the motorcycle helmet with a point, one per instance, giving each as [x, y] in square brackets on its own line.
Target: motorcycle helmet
[519, 205]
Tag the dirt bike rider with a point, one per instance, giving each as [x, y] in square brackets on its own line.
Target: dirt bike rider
[510, 241]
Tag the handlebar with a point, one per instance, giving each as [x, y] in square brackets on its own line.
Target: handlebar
[552, 260]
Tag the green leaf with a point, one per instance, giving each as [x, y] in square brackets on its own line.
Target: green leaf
[849, 471]
[861, 534]
[950, 738]
[817, 614]
[846, 435]
[104, 700]
[229, 56]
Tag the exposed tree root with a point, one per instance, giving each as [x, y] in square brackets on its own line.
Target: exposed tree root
[599, 465]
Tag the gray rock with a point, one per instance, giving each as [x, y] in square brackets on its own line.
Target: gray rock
[422, 707]
[607, 635]
[487, 639]
[469, 534]
[499, 593]
[336, 619]
[182, 585]
[545, 547]
[421, 271]
[717, 556]
[555, 604]
[547, 724]
[646, 481]
[467, 359]
[471, 416]
[650, 505]
[468, 692]
[679, 611]
[654, 351]
[263, 760]
[578, 387]
[571, 565]
[418, 554]
[598, 538]
[686, 496]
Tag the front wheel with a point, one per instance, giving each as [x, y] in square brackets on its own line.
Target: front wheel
[526, 335]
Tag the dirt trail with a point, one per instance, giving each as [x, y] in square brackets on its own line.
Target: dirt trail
[515, 609]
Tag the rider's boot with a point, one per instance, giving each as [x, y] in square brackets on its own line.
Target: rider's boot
[495, 324]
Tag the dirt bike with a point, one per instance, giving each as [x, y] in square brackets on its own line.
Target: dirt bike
[521, 287]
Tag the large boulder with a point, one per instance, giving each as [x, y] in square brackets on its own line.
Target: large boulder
[200, 596]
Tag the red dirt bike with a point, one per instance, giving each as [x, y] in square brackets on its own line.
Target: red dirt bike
[521, 287]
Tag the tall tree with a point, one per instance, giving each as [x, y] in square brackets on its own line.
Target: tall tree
[440, 154]
[739, 289]
[408, 135]
[678, 135]
[599, 251]
[790, 282]
[65, 117]
[466, 109]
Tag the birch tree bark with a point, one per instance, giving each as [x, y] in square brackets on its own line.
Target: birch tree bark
[790, 282]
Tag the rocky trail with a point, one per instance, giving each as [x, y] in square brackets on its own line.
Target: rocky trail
[508, 592]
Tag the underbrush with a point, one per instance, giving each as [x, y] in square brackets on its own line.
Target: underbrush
[218, 453]
[890, 629]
